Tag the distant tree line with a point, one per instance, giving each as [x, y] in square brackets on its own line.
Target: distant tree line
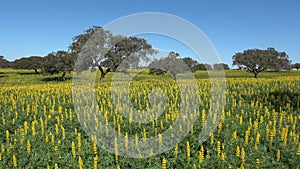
[174, 64]
[99, 48]
[4, 63]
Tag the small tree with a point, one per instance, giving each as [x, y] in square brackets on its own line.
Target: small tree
[171, 64]
[296, 66]
[155, 71]
[190, 62]
[257, 60]
[33, 62]
[56, 62]
[201, 66]
[193, 65]
[221, 66]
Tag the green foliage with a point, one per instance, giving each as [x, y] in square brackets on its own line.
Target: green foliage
[190, 62]
[296, 66]
[4, 63]
[257, 60]
[171, 64]
[221, 66]
[154, 71]
[33, 62]
[56, 62]
[201, 67]
[99, 47]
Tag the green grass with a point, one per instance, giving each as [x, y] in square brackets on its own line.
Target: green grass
[17, 77]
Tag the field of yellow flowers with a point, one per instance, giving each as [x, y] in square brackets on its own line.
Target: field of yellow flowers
[259, 126]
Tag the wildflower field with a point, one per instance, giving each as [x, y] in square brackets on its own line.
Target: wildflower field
[259, 126]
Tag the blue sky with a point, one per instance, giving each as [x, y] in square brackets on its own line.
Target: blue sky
[39, 27]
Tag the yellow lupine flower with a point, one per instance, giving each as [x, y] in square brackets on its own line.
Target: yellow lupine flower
[160, 140]
[119, 129]
[144, 135]
[95, 148]
[79, 142]
[28, 146]
[223, 155]
[211, 139]
[56, 150]
[42, 126]
[188, 151]
[176, 151]
[73, 150]
[56, 166]
[52, 139]
[116, 149]
[257, 162]
[164, 164]
[47, 139]
[219, 148]
[80, 163]
[271, 138]
[7, 136]
[56, 129]
[63, 132]
[33, 128]
[150, 156]
[203, 118]
[15, 163]
[241, 120]
[2, 148]
[278, 155]
[243, 156]
[96, 162]
[247, 133]
[161, 125]
[201, 154]
[126, 141]
[238, 151]
[234, 135]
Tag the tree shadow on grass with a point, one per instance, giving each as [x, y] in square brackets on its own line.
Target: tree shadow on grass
[282, 98]
[276, 99]
[56, 78]
[28, 73]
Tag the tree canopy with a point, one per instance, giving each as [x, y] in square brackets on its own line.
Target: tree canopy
[296, 66]
[171, 64]
[56, 62]
[221, 66]
[4, 63]
[257, 60]
[33, 62]
[97, 47]
[190, 62]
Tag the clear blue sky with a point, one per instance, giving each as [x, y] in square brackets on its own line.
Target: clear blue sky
[39, 27]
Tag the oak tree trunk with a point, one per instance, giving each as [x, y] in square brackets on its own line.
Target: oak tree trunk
[103, 73]
[255, 74]
[63, 77]
[36, 72]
